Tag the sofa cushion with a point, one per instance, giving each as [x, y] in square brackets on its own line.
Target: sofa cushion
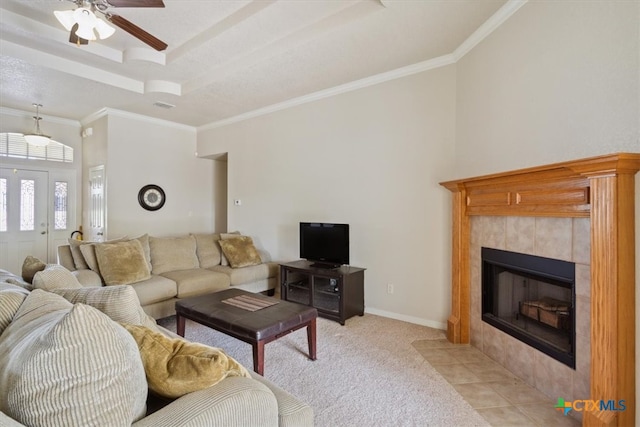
[254, 273]
[175, 366]
[155, 289]
[173, 253]
[240, 251]
[197, 281]
[55, 276]
[120, 303]
[207, 249]
[122, 263]
[30, 267]
[64, 364]
[11, 297]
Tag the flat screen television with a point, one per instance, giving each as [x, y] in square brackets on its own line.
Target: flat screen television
[324, 244]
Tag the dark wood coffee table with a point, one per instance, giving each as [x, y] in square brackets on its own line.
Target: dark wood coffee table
[254, 327]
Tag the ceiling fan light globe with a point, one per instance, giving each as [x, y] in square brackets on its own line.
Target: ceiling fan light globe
[104, 30]
[65, 17]
[85, 32]
[84, 16]
[37, 140]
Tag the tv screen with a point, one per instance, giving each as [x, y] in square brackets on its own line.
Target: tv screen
[325, 244]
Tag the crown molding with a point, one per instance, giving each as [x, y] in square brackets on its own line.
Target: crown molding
[337, 90]
[106, 112]
[490, 25]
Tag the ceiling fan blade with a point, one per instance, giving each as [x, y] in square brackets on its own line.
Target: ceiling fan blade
[136, 31]
[136, 3]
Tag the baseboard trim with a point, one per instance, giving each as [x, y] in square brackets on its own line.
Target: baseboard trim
[405, 318]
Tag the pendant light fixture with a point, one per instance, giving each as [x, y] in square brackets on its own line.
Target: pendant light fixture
[37, 138]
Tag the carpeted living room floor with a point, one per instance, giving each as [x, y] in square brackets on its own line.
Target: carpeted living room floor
[378, 371]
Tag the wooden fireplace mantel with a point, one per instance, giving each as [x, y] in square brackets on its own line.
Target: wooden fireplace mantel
[602, 189]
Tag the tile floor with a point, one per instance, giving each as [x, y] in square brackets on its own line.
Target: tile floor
[498, 395]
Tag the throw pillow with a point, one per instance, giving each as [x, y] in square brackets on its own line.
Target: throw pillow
[30, 267]
[122, 263]
[240, 252]
[88, 252]
[79, 258]
[225, 236]
[207, 249]
[173, 253]
[144, 241]
[175, 367]
[119, 302]
[55, 276]
[64, 365]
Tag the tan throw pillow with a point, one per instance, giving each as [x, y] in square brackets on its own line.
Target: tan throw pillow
[122, 263]
[173, 254]
[69, 365]
[55, 276]
[207, 249]
[225, 236]
[240, 252]
[78, 258]
[88, 252]
[81, 262]
[120, 303]
[144, 241]
[175, 367]
[30, 267]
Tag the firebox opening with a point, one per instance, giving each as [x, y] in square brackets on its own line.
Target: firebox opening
[532, 299]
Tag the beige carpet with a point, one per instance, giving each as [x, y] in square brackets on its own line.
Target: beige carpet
[367, 373]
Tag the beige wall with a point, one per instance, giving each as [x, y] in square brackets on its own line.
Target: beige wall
[136, 152]
[371, 158]
[557, 81]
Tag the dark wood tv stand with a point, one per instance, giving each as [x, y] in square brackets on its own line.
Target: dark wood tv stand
[337, 293]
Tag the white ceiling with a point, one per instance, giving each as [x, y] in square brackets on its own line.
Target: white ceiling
[225, 58]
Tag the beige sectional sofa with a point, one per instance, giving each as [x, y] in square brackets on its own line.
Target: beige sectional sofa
[74, 338]
[178, 267]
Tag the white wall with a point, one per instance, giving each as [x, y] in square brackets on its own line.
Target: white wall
[371, 158]
[557, 81]
[137, 152]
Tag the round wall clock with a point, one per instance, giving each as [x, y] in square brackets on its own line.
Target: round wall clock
[151, 197]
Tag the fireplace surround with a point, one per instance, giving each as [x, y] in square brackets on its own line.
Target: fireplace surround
[600, 189]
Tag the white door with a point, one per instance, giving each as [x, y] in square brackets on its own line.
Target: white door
[97, 211]
[23, 217]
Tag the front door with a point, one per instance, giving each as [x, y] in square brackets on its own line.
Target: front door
[23, 217]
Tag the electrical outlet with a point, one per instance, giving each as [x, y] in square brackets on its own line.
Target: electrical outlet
[390, 288]
[237, 202]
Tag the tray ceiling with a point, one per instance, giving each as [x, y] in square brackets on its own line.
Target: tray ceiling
[225, 58]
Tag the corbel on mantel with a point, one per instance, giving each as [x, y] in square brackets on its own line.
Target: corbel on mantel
[602, 189]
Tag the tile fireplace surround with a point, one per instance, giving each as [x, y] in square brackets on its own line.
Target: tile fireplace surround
[580, 211]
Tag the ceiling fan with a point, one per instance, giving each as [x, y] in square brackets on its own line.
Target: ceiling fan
[83, 22]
